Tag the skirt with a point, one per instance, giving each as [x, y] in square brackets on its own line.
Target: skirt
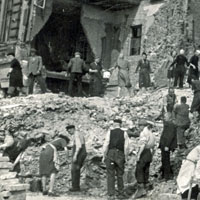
[46, 163]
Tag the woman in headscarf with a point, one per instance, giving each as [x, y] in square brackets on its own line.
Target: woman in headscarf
[49, 163]
[123, 74]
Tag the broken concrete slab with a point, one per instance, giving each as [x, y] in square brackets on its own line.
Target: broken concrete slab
[6, 165]
[9, 175]
[17, 187]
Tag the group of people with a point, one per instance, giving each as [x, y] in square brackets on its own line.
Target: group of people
[49, 164]
[177, 68]
[34, 72]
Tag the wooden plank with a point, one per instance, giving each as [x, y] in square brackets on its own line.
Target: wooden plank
[23, 15]
[2, 17]
[28, 34]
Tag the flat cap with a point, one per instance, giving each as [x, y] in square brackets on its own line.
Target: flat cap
[70, 127]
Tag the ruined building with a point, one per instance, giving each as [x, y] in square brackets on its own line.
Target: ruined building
[103, 28]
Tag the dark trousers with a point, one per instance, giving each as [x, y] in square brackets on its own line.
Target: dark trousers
[115, 161]
[31, 81]
[195, 192]
[142, 167]
[76, 168]
[179, 76]
[166, 167]
[78, 78]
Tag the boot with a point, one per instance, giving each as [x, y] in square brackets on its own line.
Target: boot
[140, 192]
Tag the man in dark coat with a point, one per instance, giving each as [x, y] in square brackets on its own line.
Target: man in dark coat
[116, 149]
[180, 69]
[76, 68]
[168, 142]
[194, 70]
[195, 107]
[16, 76]
[35, 72]
[144, 72]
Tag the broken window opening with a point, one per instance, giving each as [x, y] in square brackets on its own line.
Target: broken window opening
[40, 3]
[135, 48]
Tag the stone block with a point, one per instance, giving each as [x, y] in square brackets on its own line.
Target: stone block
[17, 187]
[8, 175]
[11, 181]
[6, 165]
[4, 171]
[5, 194]
[19, 195]
[4, 159]
[166, 196]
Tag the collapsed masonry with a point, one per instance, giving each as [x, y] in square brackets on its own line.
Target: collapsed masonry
[10, 188]
[104, 29]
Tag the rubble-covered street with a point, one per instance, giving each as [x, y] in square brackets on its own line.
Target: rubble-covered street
[44, 116]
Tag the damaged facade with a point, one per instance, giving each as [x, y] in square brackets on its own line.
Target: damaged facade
[58, 28]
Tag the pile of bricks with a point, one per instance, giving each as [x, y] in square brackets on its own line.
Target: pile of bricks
[10, 187]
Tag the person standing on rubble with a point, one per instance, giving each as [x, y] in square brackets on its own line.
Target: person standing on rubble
[182, 121]
[49, 162]
[15, 76]
[95, 71]
[169, 101]
[195, 107]
[76, 68]
[180, 69]
[35, 72]
[78, 157]
[168, 143]
[144, 72]
[123, 75]
[189, 175]
[170, 71]
[115, 154]
[194, 69]
[145, 154]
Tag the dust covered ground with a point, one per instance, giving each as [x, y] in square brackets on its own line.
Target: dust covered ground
[44, 116]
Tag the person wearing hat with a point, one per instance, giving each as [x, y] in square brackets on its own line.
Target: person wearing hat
[78, 157]
[76, 67]
[194, 70]
[179, 69]
[35, 72]
[144, 157]
[144, 72]
[115, 154]
[15, 76]
[49, 163]
[95, 71]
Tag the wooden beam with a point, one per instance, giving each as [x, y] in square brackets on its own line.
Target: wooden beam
[2, 17]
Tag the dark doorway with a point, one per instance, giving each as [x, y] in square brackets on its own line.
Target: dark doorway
[60, 38]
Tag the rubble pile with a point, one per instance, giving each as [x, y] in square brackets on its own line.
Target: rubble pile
[10, 188]
[45, 116]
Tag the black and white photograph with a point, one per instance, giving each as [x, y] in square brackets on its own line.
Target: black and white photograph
[99, 99]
